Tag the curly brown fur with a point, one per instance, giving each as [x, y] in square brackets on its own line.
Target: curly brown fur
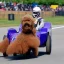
[3, 45]
[26, 39]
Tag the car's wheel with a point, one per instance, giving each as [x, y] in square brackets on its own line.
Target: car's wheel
[28, 52]
[14, 54]
[4, 54]
[48, 45]
[4, 37]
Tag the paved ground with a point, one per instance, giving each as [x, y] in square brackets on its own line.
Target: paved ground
[56, 57]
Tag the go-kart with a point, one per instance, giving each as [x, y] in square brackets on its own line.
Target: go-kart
[44, 34]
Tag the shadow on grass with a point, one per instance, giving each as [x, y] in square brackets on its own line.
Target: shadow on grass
[24, 57]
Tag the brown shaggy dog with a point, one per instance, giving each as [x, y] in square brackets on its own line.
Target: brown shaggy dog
[26, 40]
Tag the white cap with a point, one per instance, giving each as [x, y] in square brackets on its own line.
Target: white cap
[36, 9]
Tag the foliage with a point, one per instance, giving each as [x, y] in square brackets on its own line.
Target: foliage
[47, 2]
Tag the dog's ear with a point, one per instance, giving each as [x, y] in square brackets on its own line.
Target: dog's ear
[32, 24]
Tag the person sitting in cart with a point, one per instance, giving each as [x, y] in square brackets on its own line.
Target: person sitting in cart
[36, 13]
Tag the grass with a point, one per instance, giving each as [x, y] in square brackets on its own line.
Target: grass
[57, 20]
[5, 23]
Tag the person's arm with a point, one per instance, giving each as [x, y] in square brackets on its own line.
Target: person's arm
[41, 25]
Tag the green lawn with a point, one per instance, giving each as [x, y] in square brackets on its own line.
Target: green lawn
[4, 23]
[57, 20]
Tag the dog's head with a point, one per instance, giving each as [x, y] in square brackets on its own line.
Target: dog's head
[27, 24]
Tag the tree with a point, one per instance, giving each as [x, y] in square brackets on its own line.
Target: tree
[47, 2]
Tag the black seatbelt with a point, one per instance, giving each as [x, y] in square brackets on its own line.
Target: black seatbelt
[39, 21]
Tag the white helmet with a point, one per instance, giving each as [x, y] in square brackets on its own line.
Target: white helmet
[36, 12]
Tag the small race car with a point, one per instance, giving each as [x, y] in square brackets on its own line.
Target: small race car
[44, 34]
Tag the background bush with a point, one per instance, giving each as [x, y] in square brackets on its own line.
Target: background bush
[46, 2]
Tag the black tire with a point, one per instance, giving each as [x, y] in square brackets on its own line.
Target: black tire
[4, 37]
[48, 45]
[4, 54]
[14, 54]
[28, 53]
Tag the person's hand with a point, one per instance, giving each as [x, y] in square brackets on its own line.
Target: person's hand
[35, 25]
